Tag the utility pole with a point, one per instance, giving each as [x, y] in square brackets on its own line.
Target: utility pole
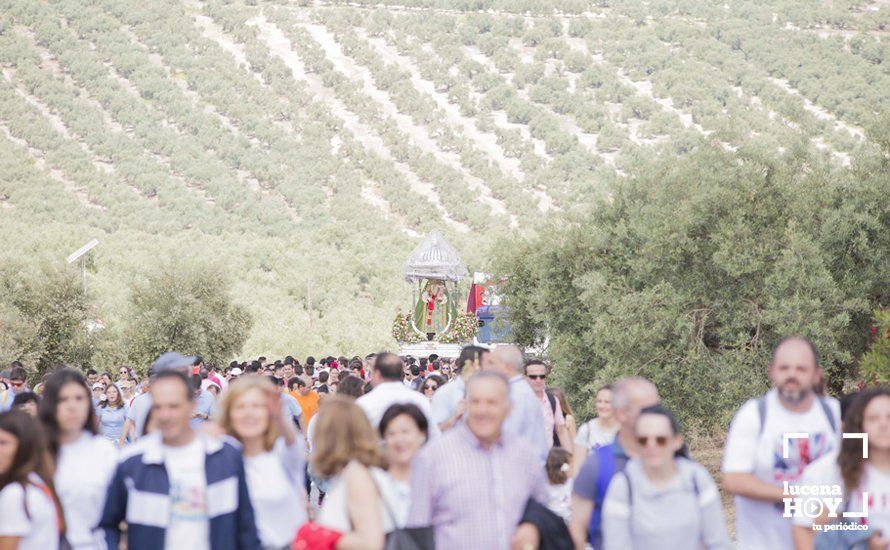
[81, 254]
[309, 304]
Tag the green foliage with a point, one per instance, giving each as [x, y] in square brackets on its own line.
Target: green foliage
[139, 124]
[875, 364]
[694, 269]
[186, 308]
[43, 314]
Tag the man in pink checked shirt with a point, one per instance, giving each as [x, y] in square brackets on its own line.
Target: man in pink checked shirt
[472, 484]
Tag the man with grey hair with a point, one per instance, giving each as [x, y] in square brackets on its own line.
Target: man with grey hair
[472, 483]
[629, 397]
[526, 419]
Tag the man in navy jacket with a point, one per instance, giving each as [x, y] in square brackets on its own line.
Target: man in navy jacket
[178, 488]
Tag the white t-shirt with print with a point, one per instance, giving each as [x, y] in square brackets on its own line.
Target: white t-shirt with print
[874, 483]
[39, 527]
[760, 524]
[189, 521]
[592, 436]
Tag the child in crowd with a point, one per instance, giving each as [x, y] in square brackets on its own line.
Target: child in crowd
[559, 490]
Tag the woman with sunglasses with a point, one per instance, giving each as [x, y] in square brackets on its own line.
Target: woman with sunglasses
[431, 385]
[662, 479]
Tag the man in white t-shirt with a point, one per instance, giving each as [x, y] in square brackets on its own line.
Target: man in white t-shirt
[758, 460]
[389, 390]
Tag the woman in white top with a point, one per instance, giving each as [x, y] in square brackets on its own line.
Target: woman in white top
[855, 476]
[29, 509]
[597, 432]
[404, 430]
[85, 461]
[347, 449]
[250, 411]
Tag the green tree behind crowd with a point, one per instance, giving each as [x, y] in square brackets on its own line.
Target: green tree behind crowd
[695, 268]
[186, 308]
[43, 317]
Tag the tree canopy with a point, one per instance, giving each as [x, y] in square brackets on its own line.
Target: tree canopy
[695, 267]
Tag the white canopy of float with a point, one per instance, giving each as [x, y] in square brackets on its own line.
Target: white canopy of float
[434, 258]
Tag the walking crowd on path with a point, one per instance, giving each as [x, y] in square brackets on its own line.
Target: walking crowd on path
[391, 452]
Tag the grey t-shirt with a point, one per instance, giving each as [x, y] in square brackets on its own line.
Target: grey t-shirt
[685, 515]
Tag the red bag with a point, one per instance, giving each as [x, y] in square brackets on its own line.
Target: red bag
[313, 536]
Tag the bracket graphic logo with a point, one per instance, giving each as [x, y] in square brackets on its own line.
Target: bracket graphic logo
[812, 501]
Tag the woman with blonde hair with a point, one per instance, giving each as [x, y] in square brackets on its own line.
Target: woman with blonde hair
[251, 412]
[347, 450]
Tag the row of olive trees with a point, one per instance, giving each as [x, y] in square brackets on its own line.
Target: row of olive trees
[46, 319]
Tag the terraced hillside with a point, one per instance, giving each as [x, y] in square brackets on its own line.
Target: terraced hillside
[307, 146]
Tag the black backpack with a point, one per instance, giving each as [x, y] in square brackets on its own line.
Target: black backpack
[552, 399]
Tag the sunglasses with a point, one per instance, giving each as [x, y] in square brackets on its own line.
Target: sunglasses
[660, 440]
[434, 388]
[537, 376]
[16, 384]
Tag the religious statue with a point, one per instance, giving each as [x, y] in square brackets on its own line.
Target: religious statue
[432, 310]
[435, 268]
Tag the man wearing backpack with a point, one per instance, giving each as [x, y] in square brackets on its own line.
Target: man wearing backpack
[629, 397]
[554, 419]
[758, 458]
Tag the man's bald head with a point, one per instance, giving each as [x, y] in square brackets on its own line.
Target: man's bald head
[797, 345]
[508, 360]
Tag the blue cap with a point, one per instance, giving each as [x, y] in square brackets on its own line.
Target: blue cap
[171, 361]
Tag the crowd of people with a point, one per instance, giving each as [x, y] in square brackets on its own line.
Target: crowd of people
[389, 451]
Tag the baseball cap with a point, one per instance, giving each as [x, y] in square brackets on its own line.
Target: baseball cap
[5, 373]
[171, 361]
[236, 371]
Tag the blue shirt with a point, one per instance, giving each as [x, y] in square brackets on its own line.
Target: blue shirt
[291, 407]
[111, 422]
[138, 412]
[6, 399]
[204, 404]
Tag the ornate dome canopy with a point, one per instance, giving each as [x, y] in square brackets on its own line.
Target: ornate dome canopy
[434, 258]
